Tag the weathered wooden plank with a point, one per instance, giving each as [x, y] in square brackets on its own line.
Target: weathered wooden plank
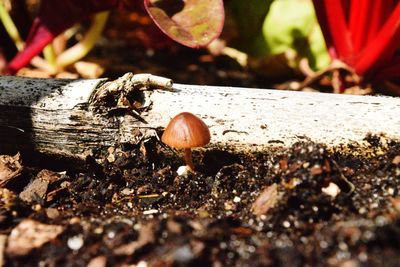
[55, 116]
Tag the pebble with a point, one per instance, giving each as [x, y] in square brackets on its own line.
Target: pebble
[236, 199]
[183, 255]
[142, 264]
[183, 170]
[75, 242]
[127, 191]
[331, 190]
[148, 212]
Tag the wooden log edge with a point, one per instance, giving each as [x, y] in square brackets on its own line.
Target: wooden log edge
[56, 116]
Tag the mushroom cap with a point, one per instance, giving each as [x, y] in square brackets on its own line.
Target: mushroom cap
[186, 130]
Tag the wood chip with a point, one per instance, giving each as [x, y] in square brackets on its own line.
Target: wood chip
[266, 200]
[316, 170]
[30, 234]
[146, 236]
[3, 240]
[10, 168]
[396, 204]
[52, 213]
[49, 176]
[99, 261]
[283, 165]
[38, 187]
[396, 160]
[174, 227]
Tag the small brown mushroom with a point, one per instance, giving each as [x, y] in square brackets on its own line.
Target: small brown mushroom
[186, 131]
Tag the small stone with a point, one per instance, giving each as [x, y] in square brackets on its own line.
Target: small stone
[390, 191]
[183, 170]
[362, 210]
[142, 264]
[111, 234]
[148, 212]
[127, 191]
[236, 199]
[98, 230]
[75, 242]
[331, 190]
[183, 255]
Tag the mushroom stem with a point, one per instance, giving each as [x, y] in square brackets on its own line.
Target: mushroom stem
[188, 158]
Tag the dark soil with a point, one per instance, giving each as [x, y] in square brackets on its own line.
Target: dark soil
[128, 206]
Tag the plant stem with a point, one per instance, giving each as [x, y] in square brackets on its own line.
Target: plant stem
[331, 16]
[50, 56]
[359, 21]
[384, 48]
[10, 27]
[40, 37]
[82, 48]
[188, 158]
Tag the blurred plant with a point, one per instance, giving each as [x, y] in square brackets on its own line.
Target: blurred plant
[193, 23]
[278, 37]
[365, 35]
[357, 47]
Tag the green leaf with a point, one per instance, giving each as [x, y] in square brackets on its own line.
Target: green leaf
[293, 25]
[290, 29]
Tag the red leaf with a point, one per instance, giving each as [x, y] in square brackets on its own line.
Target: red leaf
[194, 23]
